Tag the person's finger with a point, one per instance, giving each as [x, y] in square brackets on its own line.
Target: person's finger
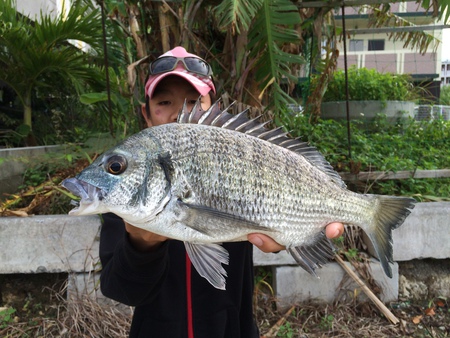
[265, 243]
[334, 230]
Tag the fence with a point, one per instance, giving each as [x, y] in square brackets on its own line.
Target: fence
[428, 112]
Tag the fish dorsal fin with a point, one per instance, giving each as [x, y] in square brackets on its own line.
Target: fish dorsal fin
[217, 117]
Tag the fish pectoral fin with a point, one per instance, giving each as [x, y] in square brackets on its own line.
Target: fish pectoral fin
[199, 217]
[314, 255]
[207, 260]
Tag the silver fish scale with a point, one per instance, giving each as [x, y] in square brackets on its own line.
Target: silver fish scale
[254, 179]
[205, 185]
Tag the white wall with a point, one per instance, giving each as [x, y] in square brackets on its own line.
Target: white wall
[32, 8]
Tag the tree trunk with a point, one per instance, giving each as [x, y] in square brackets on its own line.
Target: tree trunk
[30, 140]
[27, 109]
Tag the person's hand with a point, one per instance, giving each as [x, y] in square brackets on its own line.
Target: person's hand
[267, 244]
[143, 240]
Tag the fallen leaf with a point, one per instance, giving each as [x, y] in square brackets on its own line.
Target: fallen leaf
[430, 311]
[19, 213]
[440, 303]
[417, 319]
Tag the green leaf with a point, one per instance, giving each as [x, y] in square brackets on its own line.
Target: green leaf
[90, 98]
[272, 29]
[237, 13]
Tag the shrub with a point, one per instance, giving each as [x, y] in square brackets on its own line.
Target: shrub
[407, 145]
[445, 96]
[368, 84]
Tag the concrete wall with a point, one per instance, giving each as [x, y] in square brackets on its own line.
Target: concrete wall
[39, 244]
[13, 163]
[53, 243]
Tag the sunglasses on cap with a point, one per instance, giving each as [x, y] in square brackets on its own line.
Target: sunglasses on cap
[195, 65]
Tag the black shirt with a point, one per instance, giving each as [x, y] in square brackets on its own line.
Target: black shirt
[156, 284]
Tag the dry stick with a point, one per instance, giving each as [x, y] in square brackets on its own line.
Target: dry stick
[367, 291]
[274, 329]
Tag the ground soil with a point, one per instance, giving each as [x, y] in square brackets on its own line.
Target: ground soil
[40, 310]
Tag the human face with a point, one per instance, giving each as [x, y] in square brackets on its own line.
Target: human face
[168, 99]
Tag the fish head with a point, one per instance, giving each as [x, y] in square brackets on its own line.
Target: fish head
[127, 180]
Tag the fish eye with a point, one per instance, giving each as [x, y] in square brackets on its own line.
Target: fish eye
[116, 164]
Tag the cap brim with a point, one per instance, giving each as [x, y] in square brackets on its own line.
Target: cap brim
[201, 86]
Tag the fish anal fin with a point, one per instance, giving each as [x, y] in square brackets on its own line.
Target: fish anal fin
[207, 260]
[314, 255]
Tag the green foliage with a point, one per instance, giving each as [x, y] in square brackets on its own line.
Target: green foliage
[351, 254]
[237, 13]
[286, 330]
[406, 145]
[440, 8]
[43, 63]
[444, 98]
[6, 317]
[326, 323]
[368, 84]
[270, 31]
[34, 176]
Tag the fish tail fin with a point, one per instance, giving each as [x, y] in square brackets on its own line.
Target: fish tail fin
[390, 213]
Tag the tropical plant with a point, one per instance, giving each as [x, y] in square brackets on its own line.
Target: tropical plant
[258, 48]
[369, 84]
[252, 46]
[405, 146]
[42, 55]
[444, 98]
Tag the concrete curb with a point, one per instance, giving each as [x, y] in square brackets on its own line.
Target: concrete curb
[54, 243]
[61, 243]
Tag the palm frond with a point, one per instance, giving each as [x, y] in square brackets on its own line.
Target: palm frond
[381, 16]
[237, 13]
[42, 55]
[273, 28]
[440, 8]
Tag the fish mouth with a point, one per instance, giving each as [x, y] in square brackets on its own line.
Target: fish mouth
[90, 195]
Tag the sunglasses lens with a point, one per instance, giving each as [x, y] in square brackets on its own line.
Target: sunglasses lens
[197, 66]
[162, 65]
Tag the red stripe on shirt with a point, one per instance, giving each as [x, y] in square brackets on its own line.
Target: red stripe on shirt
[189, 297]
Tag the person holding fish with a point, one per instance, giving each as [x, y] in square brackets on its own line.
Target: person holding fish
[154, 273]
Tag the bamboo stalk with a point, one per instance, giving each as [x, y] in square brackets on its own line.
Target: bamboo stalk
[379, 304]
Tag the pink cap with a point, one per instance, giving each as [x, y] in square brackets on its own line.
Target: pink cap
[203, 84]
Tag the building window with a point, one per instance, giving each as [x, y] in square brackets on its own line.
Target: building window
[376, 45]
[356, 45]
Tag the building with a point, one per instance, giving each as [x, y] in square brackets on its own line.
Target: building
[371, 47]
[445, 73]
[33, 8]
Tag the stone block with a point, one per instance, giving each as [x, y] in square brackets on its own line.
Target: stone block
[295, 285]
[265, 259]
[54, 243]
[425, 233]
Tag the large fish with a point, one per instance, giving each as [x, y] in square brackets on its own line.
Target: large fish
[215, 177]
